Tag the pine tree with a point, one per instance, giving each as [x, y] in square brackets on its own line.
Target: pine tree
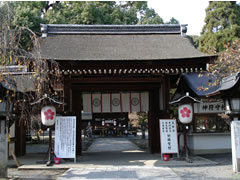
[222, 25]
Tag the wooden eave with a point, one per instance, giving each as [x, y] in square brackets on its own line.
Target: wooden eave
[131, 67]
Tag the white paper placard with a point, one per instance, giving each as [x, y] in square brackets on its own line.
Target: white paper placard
[235, 136]
[168, 134]
[65, 137]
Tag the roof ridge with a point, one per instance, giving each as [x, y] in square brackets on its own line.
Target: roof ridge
[58, 29]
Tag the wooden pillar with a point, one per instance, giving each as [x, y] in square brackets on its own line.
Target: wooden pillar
[164, 96]
[158, 109]
[72, 100]
[154, 134]
[76, 108]
[20, 141]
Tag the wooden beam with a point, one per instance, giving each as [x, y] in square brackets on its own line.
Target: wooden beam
[108, 79]
[115, 87]
[66, 93]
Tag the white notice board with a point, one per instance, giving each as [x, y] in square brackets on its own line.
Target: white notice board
[65, 137]
[235, 136]
[168, 134]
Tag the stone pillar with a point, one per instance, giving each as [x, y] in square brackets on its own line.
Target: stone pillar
[3, 148]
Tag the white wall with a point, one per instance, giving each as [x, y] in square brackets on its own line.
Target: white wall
[206, 143]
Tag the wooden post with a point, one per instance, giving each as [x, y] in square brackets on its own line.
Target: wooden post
[3, 148]
[163, 96]
[20, 142]
[76, 107]
[50, 151]
[153, 122]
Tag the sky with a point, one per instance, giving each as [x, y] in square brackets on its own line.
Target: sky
[191, 12]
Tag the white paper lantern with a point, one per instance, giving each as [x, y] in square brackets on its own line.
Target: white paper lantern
[185, 113]
[48, 115]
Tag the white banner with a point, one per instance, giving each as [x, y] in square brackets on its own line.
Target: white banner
[106, 102]
[65, 137]
[96, 102]
[116, 102]
[86, 102]
[144, 102]
[125, 102]
[135, 102]
[168, 134]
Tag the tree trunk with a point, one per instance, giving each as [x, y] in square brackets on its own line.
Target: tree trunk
[3, 149]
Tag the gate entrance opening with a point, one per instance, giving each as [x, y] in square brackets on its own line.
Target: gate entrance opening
[115, 124]
[110, 124]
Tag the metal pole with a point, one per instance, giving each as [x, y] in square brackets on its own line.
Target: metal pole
[50, 147]
[185, 141]
[185, 145]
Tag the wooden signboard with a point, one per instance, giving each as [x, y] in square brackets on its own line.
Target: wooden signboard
[168, 134]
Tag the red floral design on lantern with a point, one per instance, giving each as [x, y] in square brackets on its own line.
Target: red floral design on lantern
[185, 112]
[49, 114]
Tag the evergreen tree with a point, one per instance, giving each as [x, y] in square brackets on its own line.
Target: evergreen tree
[222, 25]
[151, 17]
[195, 41]
[173, 21]
[31, 14]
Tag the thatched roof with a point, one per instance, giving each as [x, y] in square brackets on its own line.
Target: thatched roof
[116, 42]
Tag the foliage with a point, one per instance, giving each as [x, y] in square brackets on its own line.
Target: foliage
[31, 14]
[142, 118]
[130, 12]
[151, 17]
[14, 52]
[195, 40]
[222, 25]
[27, 14]
[173, 21]
[228, 61]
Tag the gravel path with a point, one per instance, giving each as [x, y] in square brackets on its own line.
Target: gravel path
[222, 171]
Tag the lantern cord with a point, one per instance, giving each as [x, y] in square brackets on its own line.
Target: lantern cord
[44, 97]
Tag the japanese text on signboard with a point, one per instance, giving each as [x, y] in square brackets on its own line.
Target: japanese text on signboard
[65, 137]
[168, 132]
[214, 107]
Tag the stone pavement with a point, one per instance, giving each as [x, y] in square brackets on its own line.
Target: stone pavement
[113, 158]
[120, 173]
[116, 159]
[112, 145]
